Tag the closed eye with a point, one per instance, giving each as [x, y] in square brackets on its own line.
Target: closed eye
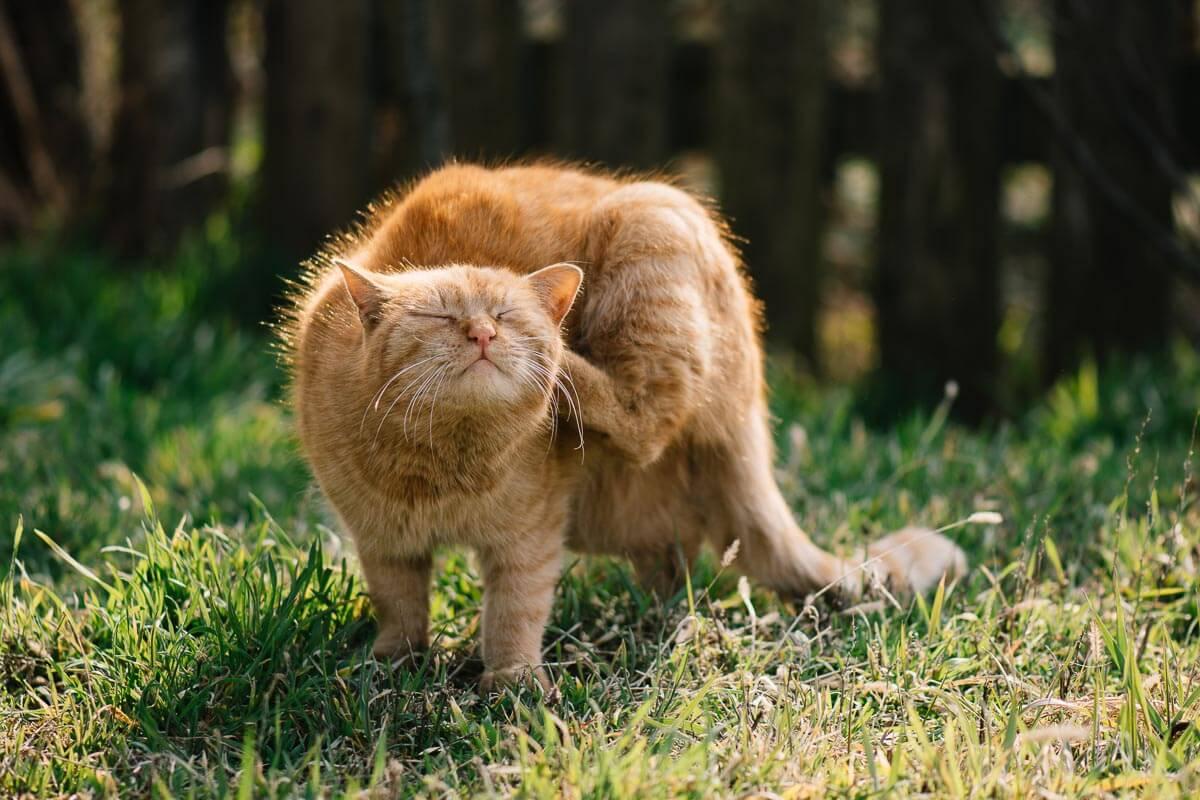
[433, 315]
[500, 314]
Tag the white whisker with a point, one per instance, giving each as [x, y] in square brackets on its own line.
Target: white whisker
[433, 404]
[557, 379]
[425, 385]
[399, 395]
[379, 395]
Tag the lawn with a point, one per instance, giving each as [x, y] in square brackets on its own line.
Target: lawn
[177, 618]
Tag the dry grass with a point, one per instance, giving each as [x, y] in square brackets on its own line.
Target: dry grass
[206, 636]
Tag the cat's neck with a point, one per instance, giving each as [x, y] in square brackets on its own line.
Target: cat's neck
[468, 454]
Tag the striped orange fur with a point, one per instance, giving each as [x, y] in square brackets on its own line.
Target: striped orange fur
[656, 368]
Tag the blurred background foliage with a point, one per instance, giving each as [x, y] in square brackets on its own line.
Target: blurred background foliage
[988, 208]
[146, 373]
[988, 192]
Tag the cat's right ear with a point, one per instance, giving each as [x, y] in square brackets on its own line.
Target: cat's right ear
[368, 296]
[556, 286]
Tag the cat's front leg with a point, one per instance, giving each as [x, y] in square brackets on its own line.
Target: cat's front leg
[518, 583]
[399, 589]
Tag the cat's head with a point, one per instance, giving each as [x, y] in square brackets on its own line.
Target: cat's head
[462, 340]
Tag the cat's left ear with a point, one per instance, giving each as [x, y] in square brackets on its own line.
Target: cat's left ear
[367, 295]
[556, 286]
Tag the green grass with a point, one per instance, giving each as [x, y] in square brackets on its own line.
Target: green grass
[185, 624]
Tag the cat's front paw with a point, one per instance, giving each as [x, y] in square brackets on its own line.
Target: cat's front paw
[913, 560]
[398, 646]
[516, 676]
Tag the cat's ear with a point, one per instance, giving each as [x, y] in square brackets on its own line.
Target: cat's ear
[556, 286]
[367, 295]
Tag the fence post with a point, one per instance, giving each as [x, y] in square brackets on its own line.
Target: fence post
[478, 47]
[1108, 287]
[172, 129]
[937, 282]
[614, 98]
[317, 109]
[770, 134]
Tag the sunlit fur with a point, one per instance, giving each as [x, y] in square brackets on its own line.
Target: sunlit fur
[662, 359]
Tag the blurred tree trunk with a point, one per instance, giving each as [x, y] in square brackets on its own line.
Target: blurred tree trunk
[937, 278]
[410, 128]
[771, 84]
[46, 148]
[1109, 285]
[616, 60]
[168, 166]
[315, 165]
[478, 47]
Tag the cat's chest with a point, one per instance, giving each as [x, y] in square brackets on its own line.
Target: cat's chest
[459, 521]
[410, 518]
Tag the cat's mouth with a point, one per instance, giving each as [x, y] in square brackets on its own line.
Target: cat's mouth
[480, 364]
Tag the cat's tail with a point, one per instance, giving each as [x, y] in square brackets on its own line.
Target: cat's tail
[913, 560]
[775, 551]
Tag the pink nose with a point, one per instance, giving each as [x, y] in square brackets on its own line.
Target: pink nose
[482, 333]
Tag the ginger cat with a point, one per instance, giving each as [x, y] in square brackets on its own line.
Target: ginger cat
[438, 350]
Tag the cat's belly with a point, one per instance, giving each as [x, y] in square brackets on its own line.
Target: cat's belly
[619, 509]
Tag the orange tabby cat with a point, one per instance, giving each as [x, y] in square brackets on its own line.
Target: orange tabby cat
[438, 350]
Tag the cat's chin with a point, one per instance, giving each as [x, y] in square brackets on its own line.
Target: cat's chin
[484, 384]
